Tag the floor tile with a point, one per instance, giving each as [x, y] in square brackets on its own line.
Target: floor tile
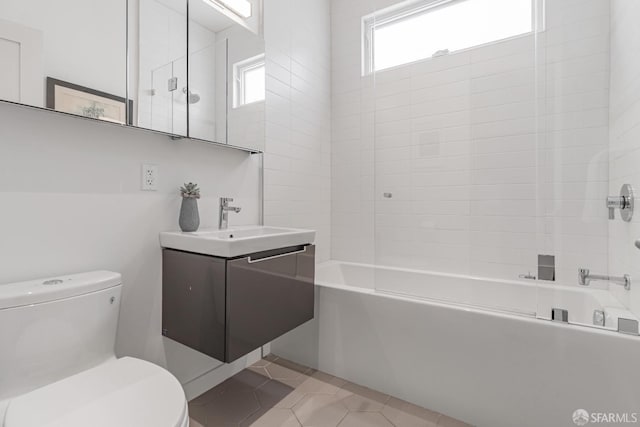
[230, 408]
[205, 398]
[274, 394]
[284, 370]
[270, 358]
[320, 410]
[261, 363]
[405, 414]
[299, 396]
[260, 370]
[319, 382]
[246, 380]
[272, 418]
[362, 399]
[198, 413]
[365, 419]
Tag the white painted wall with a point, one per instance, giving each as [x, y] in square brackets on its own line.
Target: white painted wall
[624, 153]
[492, 157]
[71, 202]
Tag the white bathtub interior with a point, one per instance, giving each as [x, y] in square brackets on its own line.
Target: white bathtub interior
[524, 298]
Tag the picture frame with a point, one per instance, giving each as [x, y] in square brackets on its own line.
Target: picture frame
[71, 98]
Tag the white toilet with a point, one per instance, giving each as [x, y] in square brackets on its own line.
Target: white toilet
[58, 366]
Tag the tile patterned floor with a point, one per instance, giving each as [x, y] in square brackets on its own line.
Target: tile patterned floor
[275, 392]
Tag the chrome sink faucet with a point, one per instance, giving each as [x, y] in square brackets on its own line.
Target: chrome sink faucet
[223, 221]
[585, 277]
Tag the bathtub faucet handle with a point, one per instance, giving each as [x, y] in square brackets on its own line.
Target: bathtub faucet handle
[624, 202]
[583, 276]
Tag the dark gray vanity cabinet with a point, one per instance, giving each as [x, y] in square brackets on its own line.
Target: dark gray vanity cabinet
[228, 307]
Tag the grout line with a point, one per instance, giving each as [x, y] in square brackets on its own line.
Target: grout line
[387, 418]
[255, 396]
[295, 415]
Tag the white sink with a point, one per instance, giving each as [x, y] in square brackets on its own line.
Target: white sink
[236, 241]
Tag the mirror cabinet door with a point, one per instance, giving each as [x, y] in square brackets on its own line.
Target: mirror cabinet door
[207, 73]
[246, 68]
[158, 65]
[189, 68]
[226, 73]
[66, 55]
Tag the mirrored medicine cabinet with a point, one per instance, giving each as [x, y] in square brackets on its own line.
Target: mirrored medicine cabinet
[185, 68]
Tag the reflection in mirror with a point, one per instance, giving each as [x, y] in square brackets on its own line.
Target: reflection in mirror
[158, 64]
[247, 89]
[207, 75]
[68, 55]
[228, 105]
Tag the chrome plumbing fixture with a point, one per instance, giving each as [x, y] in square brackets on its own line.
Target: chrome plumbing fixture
[192, 98]
[547, 267]
[599, 317]
[627, 326]
[585, 277]
[560, 315]
[624, 202]
[223, 219]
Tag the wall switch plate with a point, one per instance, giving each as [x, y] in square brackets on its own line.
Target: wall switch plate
[149, 177]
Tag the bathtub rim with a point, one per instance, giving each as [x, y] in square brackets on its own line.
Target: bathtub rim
[511, 315]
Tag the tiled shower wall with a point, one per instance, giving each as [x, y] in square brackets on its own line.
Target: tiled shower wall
[625, 140]
[490, 159]
[298, 120]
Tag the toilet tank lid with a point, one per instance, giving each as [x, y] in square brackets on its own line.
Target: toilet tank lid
[56, 288]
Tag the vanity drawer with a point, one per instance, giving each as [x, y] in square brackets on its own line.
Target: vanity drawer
[193, 301]
[268, 294]
[228, 307]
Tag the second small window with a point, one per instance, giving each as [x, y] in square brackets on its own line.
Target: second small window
[249, 81]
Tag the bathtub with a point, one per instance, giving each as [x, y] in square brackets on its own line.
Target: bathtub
[483, 351]
[525, 298]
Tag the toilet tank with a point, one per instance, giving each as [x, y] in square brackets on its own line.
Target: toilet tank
[53, 328]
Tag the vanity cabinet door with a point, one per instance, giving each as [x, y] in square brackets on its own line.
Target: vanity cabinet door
[268, 294]
[193, 301]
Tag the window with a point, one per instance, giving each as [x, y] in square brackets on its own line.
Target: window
[249, 81]
[411, 31]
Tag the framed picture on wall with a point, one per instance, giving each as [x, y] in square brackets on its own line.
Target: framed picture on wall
[83, 101]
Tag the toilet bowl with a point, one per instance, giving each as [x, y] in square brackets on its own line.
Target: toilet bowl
[58, 367]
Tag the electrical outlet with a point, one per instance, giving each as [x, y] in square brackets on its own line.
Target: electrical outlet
[149, 177]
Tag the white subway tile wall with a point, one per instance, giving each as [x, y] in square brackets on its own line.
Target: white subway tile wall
[493, 155]
[298, 119]
[624, 122]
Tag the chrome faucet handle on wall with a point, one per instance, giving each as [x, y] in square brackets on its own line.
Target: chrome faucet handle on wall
[624, 202]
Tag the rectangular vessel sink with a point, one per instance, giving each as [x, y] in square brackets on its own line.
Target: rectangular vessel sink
[236, 241]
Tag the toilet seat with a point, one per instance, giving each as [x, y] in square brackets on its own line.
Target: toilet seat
[125, 392]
